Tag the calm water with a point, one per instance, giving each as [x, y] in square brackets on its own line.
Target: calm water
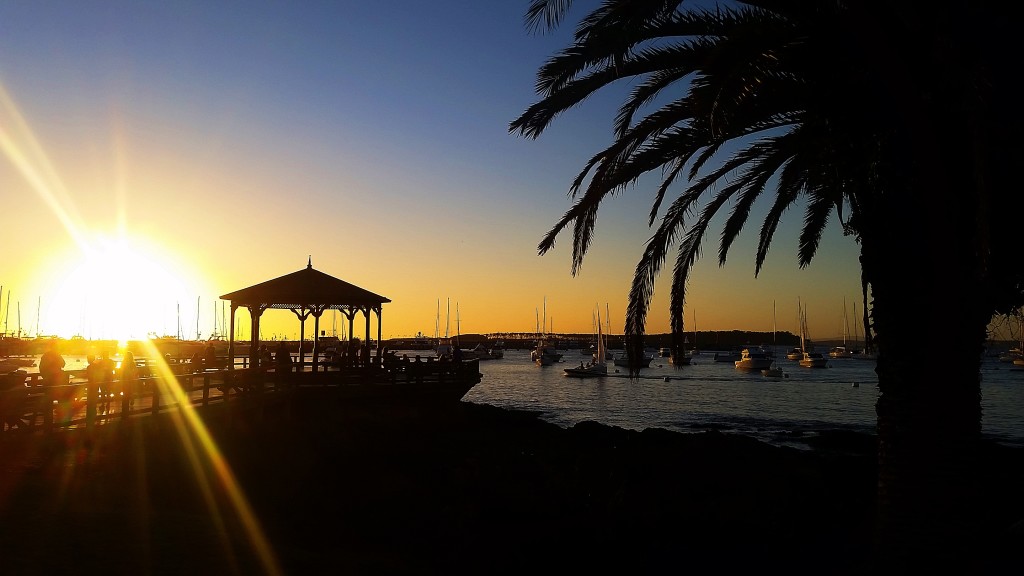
[715, 395]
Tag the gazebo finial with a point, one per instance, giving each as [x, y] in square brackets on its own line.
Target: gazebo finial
[309, 263]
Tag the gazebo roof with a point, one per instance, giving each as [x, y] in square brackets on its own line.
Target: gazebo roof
[304, 288]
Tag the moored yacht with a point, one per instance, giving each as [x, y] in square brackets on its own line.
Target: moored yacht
[840, 352]
[754, 359]
[814, 360]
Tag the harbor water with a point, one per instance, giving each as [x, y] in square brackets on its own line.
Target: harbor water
[709, 395]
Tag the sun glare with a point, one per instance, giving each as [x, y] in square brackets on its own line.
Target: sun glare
[117, 288]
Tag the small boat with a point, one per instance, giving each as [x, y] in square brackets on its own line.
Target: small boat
[484, 353]
[664, 352]
[840, 352]
[17, 361]
[814, 360]
[545, 355]
[795, 354]
[753, 359]
[597, 366]
[623, 360]
[773, 372]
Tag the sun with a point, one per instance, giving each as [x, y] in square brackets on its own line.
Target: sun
[116, 288]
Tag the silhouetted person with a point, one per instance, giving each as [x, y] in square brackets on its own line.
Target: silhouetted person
[129, 377]
[210, 357]
[101, 376]
[283, 358]
[51, 369]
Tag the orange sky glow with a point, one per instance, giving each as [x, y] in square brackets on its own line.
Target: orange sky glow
[139, 185]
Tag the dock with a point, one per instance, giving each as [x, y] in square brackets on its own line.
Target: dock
[27, 406]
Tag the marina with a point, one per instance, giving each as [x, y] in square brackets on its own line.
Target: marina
[710, 395]
[704, 395]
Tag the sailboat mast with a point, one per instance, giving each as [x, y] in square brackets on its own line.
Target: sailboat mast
[846, 322]
[774, 326]
[695, 349]
[856, 337]
[800, 323]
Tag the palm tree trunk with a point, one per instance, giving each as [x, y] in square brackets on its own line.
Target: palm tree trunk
[927, 287]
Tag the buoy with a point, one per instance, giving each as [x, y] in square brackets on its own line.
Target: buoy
[856, 384]
[668, 379]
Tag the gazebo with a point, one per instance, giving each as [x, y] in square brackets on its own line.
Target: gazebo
[307, 292]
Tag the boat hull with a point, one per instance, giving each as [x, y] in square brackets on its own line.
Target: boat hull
[587, 372]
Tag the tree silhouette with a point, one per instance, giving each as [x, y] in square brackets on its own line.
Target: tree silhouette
[895, 118]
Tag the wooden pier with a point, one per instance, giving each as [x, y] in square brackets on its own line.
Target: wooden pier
[26, 405]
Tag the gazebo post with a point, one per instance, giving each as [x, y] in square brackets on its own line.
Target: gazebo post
[231, 339]
[366, 314]
[380, 344]
[254, 339]
[316, 339]
[302, 314]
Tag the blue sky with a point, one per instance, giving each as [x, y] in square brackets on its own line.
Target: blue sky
[230, 141]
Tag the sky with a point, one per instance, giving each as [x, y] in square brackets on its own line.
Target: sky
[158, 155]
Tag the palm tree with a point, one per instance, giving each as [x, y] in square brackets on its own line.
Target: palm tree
[896, 120]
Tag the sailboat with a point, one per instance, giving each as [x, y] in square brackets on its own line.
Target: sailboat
[686, 358]
[842, 351]
[598, 366]
[545, 354]
[861, 354]
[809, 359]
[773, 371]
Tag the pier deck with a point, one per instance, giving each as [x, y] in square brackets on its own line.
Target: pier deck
[33, 407]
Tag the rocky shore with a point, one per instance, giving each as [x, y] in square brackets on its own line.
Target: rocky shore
[460, 489]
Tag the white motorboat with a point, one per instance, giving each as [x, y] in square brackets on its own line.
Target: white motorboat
[753, 359]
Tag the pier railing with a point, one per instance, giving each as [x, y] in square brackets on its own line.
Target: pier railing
[28, 404]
